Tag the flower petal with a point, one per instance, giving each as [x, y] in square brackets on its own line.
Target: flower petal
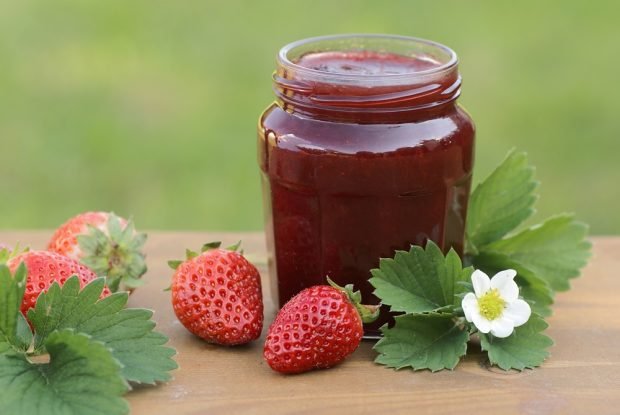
[469, 305]
[504, 282]
[482, 324]
[481, 282]
[502, 327]
[518, 311]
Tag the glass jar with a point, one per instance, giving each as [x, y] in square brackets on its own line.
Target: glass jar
[365, 151]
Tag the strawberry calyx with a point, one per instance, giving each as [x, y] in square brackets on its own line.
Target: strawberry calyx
[115, 254]
[189, 254]
[6, 253]
[368, 313]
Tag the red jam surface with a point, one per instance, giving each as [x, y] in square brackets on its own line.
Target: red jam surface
[349, 179]
[364, 63]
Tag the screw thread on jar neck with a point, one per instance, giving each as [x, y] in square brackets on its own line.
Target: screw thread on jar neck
[345, 75]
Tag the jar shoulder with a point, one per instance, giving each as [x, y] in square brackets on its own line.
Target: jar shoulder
[298, 132]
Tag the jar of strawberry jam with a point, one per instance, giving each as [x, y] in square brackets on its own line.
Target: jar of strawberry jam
[365, 151]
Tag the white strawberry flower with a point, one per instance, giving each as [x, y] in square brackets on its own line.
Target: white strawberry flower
[494, 306]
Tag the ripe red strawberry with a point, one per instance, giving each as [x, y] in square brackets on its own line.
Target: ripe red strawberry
[44, 268]
[107, 244]
[317, 329]
[217, 295]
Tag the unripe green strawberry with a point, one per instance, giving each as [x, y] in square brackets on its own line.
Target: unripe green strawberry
[317, 329]
[217, 295]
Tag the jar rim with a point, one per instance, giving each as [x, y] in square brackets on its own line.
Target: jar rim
[448, 63]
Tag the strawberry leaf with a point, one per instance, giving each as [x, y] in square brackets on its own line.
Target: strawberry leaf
[12, 288]
[555, 250]
[545, 256]
[81, 378]
[421, 280]
[23, 337]
[501, 202]
[526, 348]
[430, 341]
[540, 298]
[128, 333]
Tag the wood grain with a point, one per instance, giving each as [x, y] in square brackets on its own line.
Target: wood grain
[582, 376]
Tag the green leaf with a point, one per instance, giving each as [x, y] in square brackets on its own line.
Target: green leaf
[5, 254]
[23, 338]
[127, 234]
[554, 251]
[430, 341]
[174, 264]
[127, 332]
[114, 227]
[421, 280]
[12, 290]
[526, 348]
[82, 378]
[131, 283]
[138, 241]
[211, 245]
[234, 247]
[501, 202]
[540, 298]
[94, 243]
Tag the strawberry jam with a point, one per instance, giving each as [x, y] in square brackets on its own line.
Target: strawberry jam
[364, 152]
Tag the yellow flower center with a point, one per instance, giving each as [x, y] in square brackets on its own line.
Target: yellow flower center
[491, 305]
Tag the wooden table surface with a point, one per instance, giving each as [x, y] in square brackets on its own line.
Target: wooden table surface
[582, 375]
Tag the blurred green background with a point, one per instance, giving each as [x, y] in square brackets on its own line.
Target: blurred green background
[149, 108]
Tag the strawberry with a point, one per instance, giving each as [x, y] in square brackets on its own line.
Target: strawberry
[317, 329]
[44, 268]
[107, 244]
[217, 295]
